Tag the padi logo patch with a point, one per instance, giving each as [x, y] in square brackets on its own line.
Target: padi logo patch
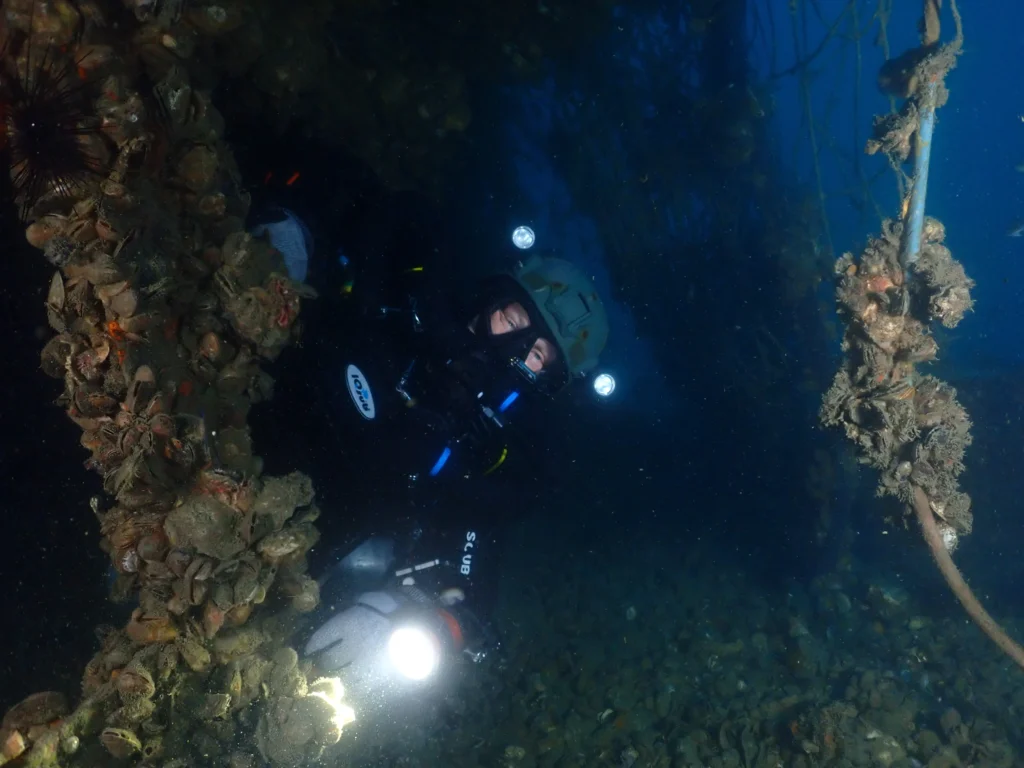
[360, 392]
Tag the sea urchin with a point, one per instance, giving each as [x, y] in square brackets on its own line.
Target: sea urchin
[47, 117]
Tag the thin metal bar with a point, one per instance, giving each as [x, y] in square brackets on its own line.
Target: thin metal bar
[915, 219]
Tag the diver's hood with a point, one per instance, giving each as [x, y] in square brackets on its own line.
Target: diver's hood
[572, 310]
[496, 293]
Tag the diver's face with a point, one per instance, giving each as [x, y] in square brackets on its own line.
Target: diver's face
[514, 317]
[511, 317]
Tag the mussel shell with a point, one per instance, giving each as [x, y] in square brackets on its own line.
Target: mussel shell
[43, 229]
[178, 561]
[92, 402]
[56, 295]
[36, 709]
[120, 742]
[56, 354]
[135, 680]
[153, 547]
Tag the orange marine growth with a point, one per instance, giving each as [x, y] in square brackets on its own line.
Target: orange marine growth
[115, 331]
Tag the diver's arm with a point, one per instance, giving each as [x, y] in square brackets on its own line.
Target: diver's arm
[443, 333]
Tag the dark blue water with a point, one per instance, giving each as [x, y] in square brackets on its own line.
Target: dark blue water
[673, 163]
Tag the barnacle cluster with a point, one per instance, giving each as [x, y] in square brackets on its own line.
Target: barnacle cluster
[907, 424]
[163, 311]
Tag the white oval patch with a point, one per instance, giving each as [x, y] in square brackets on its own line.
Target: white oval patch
[360, 392]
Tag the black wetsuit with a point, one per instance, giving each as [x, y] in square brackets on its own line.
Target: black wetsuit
[409, 373]
[374, 476]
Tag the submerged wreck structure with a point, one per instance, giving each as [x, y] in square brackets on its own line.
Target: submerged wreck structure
[163, 311]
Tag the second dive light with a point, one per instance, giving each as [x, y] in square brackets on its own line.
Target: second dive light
[523, 237]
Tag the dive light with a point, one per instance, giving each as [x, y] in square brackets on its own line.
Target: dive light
[604, 384]
[414, 652]
[523, 237]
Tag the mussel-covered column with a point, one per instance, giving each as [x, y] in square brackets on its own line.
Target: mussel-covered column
[909, 425]
[163, 309]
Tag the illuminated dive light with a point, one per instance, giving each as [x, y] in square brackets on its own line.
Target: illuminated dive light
[604, 384]
[413, 652]
[523, 237]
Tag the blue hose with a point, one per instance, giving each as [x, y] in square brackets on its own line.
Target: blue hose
[912, 245]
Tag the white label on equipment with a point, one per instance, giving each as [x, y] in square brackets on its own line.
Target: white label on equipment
[360, 392]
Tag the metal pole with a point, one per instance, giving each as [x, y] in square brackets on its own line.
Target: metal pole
[915, 220]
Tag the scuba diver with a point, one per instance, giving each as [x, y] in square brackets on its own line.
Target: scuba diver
[422, 372]
[417, 378]
[448, 379]
[420, 366]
